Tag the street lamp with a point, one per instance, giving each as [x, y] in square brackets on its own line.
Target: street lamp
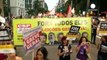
[93, 9]
[92, 6]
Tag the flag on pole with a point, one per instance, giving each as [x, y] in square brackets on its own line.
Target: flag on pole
[52, 12]
[69, 13]
[73, 11]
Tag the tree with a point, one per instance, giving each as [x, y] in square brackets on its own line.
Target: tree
[81, 6]
[6, 7]
[63, 9]
[31, 12]
[38, 7]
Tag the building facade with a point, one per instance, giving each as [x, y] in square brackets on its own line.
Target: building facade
[1, 6]
[29, 4]
[17, 7]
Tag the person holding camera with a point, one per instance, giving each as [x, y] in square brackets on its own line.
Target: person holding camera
[83, 49]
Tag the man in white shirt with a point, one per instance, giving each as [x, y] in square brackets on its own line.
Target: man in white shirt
[2, 20]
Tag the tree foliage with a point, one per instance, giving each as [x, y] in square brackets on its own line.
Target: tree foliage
[38, 7]
[31, 12]
[63, 9]
[81, 6]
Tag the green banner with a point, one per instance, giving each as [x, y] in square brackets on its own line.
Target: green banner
[51, 27]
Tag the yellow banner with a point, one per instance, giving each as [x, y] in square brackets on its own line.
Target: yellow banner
[51, 27]
[6, 46]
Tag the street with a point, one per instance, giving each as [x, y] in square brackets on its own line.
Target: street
[26, 25]
[52, 53]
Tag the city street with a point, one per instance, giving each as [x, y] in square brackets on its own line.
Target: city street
[52, 53]
[27, 26]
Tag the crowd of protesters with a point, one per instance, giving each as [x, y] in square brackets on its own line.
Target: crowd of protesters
[83, 47]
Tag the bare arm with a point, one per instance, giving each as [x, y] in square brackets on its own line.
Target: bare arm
[78, 48]
[71, 50]
[98, 28]
[60, 53]
[88, 49]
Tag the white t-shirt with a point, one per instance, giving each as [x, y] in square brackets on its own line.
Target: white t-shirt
[2, 20]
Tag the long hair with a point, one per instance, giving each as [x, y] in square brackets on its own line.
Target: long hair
[64, 38]
[80, 41]
[44, 52]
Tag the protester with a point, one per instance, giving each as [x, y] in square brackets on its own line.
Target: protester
[41, 54]
[3, 56]
[64, 49]
[102, 53]
[95, 23]
[13, 56]
[2, 26]
[83, 49]
[2, 20]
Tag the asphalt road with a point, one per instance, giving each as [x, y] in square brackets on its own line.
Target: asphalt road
[52, 53]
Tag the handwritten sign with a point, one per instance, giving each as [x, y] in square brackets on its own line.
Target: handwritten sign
[31, 38]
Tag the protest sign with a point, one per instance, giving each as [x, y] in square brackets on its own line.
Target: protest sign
[73, 32]
[103, 28]
[31, 38]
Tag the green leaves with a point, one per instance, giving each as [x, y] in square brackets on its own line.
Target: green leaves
[39, 7]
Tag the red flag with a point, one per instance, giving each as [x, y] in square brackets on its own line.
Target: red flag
[69, 13]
